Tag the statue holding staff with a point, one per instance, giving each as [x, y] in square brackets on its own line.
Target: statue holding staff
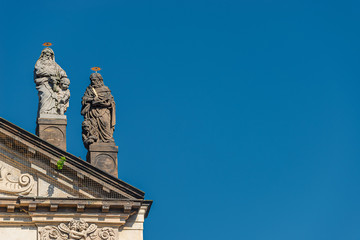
[98, 109]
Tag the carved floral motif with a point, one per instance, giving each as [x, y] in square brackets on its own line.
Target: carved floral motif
[9, 183]
[106, 233]
[76, 230]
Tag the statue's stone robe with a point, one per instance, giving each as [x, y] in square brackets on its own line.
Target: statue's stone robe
[46, 77]
[100, 113]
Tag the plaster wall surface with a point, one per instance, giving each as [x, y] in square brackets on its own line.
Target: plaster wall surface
[134, 227]
[18, 233]
[130, 235]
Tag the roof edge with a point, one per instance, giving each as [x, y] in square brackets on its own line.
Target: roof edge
[70, 158]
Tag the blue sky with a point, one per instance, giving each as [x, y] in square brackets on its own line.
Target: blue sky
[240, 119]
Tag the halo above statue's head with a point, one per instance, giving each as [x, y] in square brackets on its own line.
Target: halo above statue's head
[47, 44]
[96, 69]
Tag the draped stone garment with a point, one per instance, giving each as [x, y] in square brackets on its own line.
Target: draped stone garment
[99, 111]
[42, 77]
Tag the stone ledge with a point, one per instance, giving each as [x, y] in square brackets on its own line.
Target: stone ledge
[103, 147]
[52, 121]
[33, 211]
[72, 205]
[52, 116]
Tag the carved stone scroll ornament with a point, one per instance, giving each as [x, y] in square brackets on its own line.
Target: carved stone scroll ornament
[21, 185]
[76, 230]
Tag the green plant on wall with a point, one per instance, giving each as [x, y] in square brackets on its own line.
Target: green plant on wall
[60, 163]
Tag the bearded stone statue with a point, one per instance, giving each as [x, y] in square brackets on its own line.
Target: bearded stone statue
[52, 84]
[98, 109]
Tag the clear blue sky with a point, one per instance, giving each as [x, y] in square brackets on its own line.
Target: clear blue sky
[240, 119]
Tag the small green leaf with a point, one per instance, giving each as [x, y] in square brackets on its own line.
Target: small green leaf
[60, 163]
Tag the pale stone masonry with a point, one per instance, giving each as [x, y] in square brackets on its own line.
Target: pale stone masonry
[40, 202]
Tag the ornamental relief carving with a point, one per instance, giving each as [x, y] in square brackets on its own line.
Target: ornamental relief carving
[18, 185]
[76, 230]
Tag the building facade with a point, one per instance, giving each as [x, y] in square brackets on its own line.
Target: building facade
[39, 201]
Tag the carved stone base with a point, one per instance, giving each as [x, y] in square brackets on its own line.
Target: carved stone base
[53, 131]
[104, 157]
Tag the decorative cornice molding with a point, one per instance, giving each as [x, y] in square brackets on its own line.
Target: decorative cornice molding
[39, 208]
[76, 230]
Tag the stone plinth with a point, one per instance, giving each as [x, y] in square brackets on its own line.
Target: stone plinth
[104, 157]
[52, 130]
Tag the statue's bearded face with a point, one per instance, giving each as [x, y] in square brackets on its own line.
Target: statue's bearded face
[47, 56]
[96, 81]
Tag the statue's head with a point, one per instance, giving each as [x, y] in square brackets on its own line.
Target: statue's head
[85, 125]
[47, 54]
[96, 79]
[72, 225]
[64, 83]
[82, 225]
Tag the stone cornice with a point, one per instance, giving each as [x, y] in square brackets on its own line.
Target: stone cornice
[78, 204]
[27, 210]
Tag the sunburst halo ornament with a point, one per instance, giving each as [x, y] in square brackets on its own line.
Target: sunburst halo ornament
[96, 69]
[47, 44]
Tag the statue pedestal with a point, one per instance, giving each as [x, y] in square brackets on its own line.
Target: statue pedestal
[52, 130]
[104, 157]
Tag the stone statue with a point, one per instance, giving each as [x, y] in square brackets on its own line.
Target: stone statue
[63, 96]
[89, 136]
[98, 109]
[52, 84]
